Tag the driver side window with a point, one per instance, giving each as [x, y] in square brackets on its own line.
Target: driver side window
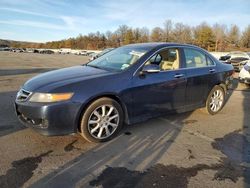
[167, 59]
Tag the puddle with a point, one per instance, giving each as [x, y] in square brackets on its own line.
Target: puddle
[235, 146]
[71, 146]
[21, 171]
[163, 176]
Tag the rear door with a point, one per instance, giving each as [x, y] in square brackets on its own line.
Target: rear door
[199, 70]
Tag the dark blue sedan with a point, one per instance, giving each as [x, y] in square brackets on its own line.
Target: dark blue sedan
[127, 85]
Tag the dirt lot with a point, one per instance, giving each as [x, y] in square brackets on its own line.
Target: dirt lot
[183, 150]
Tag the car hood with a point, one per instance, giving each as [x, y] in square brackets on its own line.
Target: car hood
[62, 75]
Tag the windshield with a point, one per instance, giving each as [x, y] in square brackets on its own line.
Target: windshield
[118, 59]
[104, 51]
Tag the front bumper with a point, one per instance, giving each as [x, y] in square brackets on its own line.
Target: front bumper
[49, 118]
[244, 80]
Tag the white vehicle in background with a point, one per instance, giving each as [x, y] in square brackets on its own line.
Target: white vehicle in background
[237, 59]
[30, 50]
[244, 75]
[64, 51]
[83, 52]
[19, 50]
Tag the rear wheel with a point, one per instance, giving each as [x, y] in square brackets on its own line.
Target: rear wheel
[102, 120]
[215, 100]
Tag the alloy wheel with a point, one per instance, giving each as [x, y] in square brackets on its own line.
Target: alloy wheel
[103, 121]
[216, 100]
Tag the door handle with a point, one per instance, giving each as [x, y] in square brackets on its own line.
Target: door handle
[178, 75]
[211, 70]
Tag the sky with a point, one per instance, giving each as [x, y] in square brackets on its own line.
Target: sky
[50, 20]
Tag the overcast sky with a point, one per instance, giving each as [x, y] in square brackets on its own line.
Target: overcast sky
[47, 20]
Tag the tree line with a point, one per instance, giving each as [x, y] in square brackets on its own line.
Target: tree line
[217, 37]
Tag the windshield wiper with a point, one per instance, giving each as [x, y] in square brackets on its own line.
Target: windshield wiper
[94, 66]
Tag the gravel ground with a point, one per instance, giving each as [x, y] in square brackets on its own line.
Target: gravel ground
[190, 149]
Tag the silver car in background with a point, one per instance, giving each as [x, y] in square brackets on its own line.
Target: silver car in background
[244, 75]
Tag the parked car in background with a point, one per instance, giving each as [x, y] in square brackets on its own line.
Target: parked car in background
[244, 75]
[46, 52]
[83, 52]
[20, 50]
[5, 49]
[36, 51]
[242, 63]
[29, 50]
[89, 53]
[64, 51]
[218, 55]
[225, 57]
[92, 55]
[129, 84]
[96, 55]
[235, 58]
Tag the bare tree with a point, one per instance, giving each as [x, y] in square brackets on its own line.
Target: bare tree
[220, 37]
[121, 32]
[157, 35]
[168, 27]
[144, 35]
[182, 33]
[234, 35]
[245, 38]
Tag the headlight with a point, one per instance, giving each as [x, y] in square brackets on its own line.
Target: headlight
[50, 97]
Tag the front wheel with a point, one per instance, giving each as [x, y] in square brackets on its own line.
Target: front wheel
[102, 120]
[215, 100]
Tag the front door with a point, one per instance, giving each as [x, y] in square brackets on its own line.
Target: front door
[160, 92]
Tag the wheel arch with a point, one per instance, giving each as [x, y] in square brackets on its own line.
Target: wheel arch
[108, 95]
[221, 84]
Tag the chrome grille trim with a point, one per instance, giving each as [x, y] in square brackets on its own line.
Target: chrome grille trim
[23, 95]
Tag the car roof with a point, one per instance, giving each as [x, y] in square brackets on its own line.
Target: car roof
[159, 44]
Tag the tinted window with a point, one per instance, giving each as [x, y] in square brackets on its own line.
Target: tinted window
[167, 59]
[209, 61]
[195, 58]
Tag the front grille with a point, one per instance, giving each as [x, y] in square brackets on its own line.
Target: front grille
[23, 95]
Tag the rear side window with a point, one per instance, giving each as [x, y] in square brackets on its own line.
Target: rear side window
[209, 61]
[195, 58]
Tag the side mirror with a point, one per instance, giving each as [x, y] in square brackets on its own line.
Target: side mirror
[151, 68]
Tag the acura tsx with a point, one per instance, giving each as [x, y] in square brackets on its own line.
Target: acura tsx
[127, 85]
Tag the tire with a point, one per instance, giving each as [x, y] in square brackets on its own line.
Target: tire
[215, 100]
[102, 120]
